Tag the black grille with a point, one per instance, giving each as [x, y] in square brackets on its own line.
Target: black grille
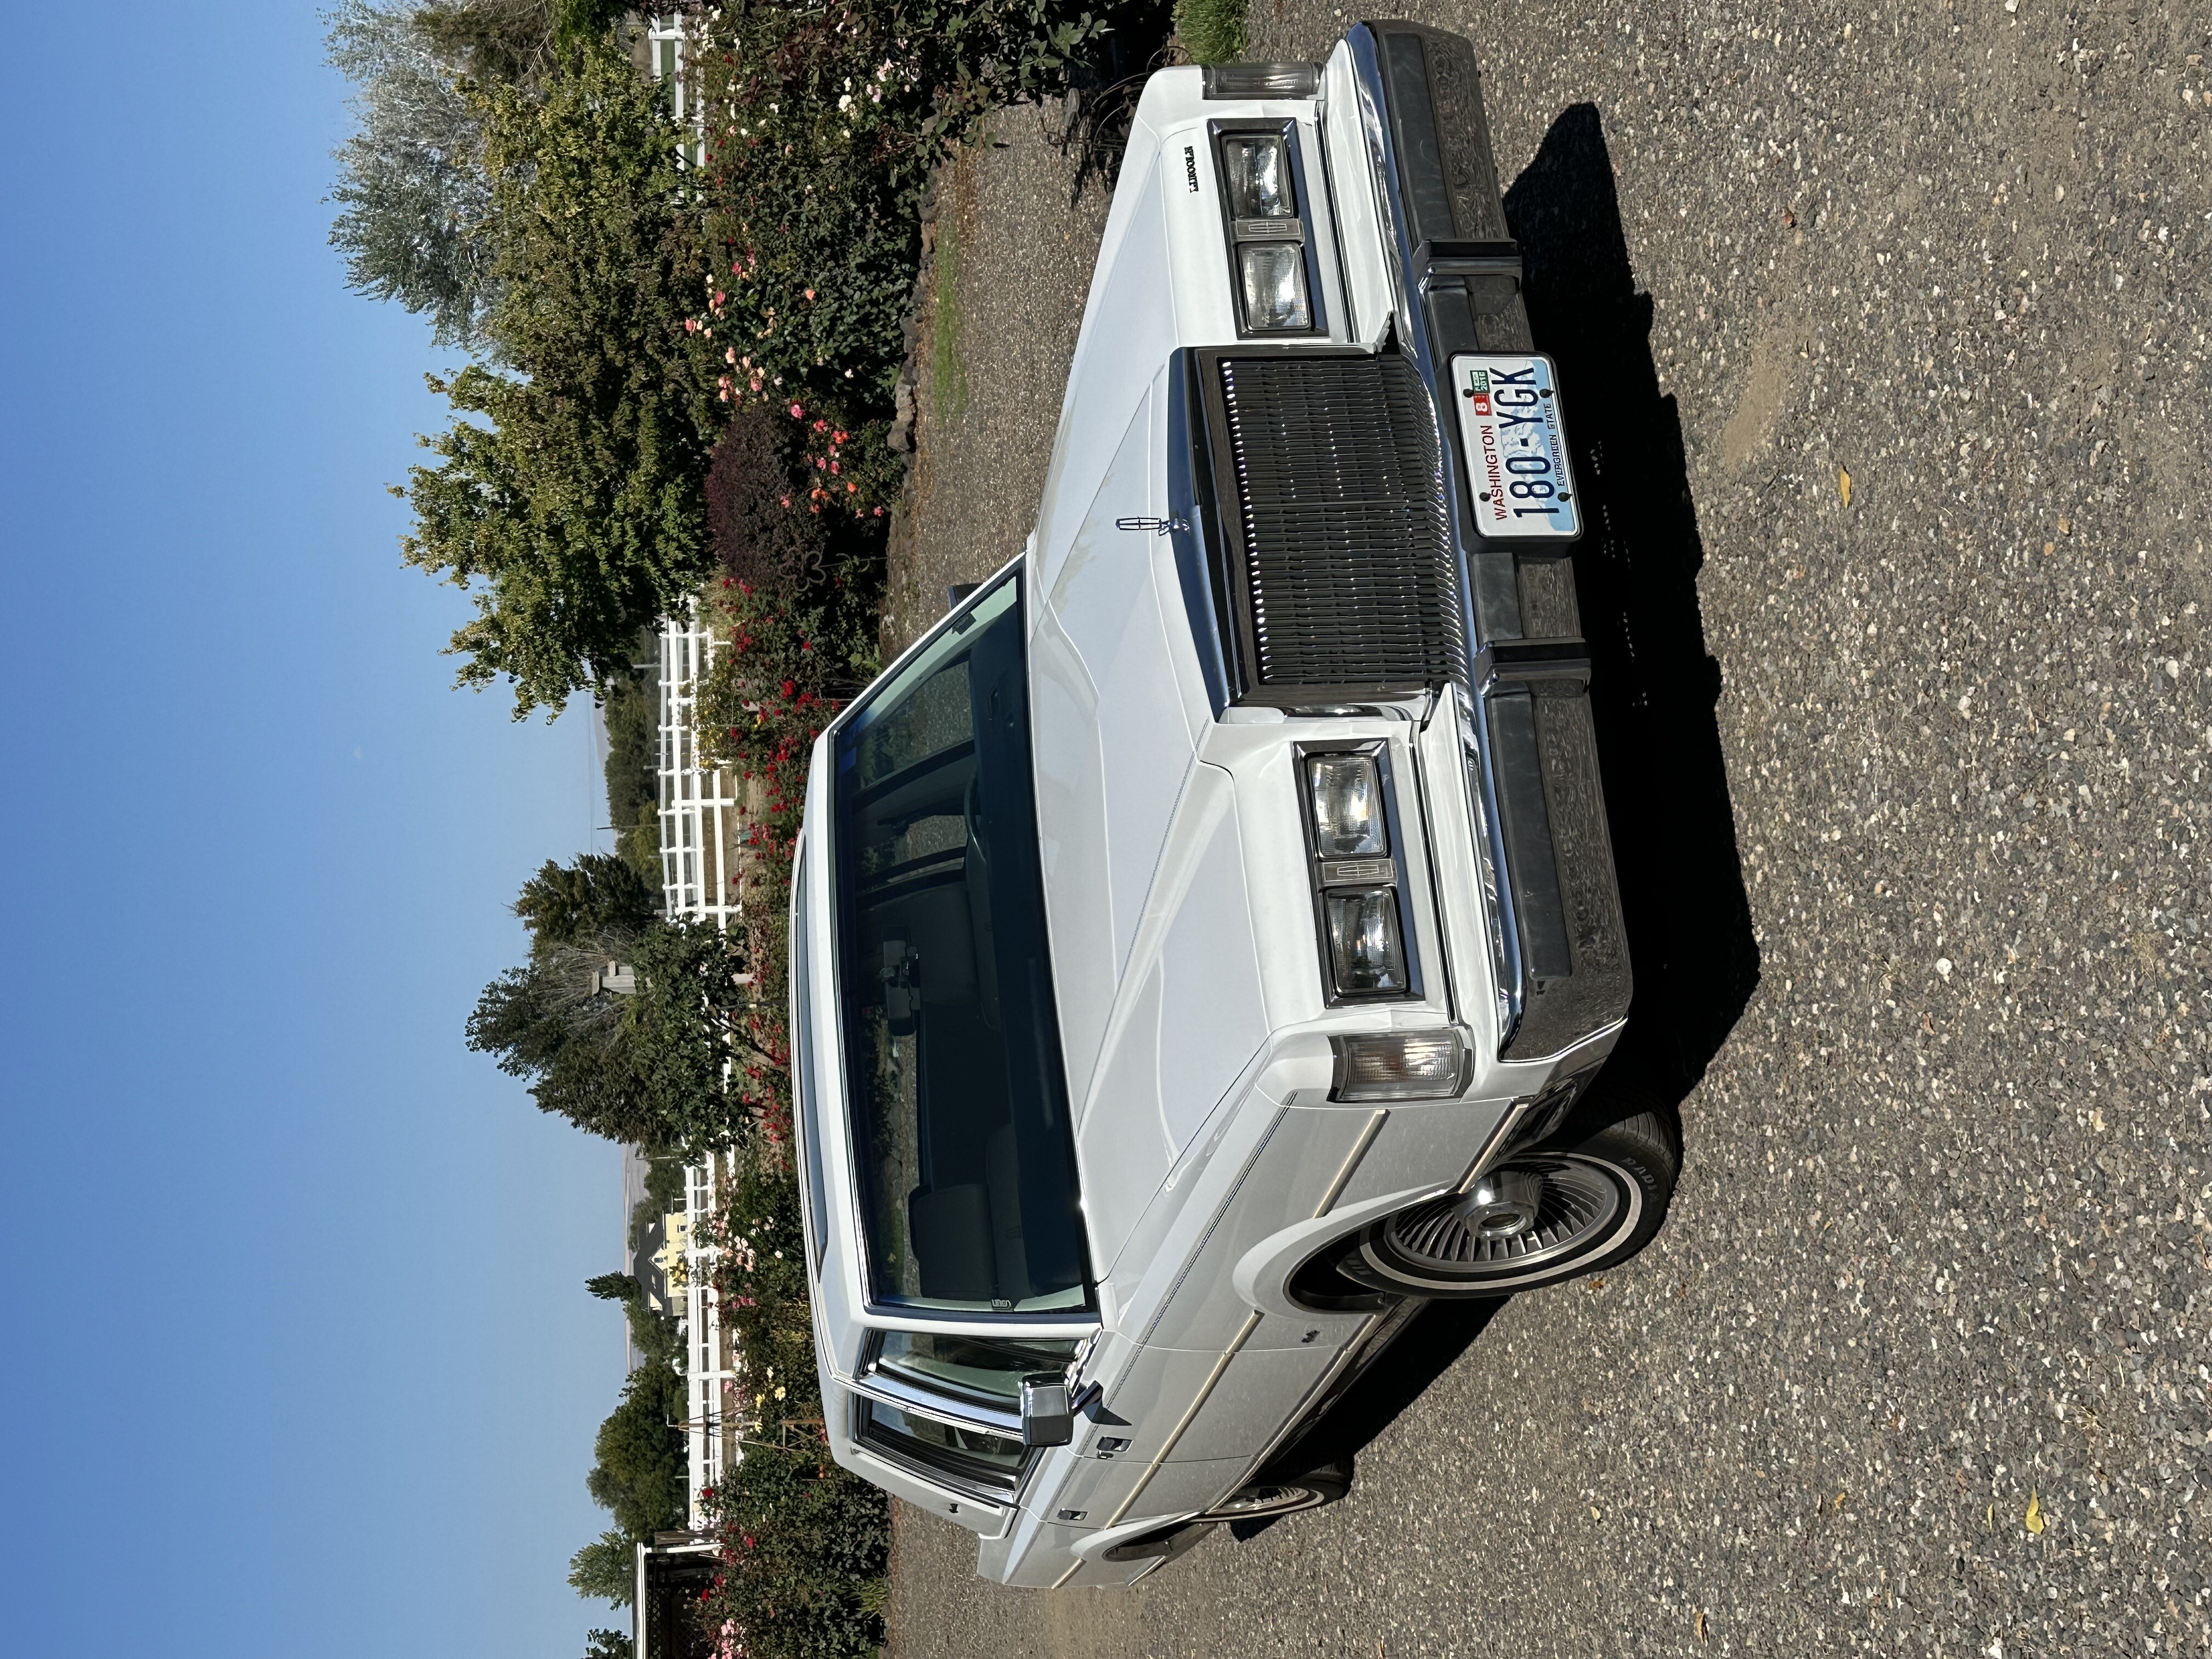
[1338, 490]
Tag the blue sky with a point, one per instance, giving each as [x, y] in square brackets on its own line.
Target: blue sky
[299, 1357]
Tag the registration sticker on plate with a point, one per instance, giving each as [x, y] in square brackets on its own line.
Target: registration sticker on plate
[1516, 450]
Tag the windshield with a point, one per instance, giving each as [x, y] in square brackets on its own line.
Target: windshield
[959, 1111]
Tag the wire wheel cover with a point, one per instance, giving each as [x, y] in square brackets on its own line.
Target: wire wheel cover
[1578, 1204]
[1269, 1500]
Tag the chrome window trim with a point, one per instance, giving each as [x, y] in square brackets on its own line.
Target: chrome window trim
[814, 1178]
[883, 1391]
[923, 1402]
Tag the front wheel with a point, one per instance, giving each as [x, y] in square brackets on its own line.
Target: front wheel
[1575, 1205]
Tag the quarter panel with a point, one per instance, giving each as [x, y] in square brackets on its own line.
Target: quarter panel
[1422, 1146]
[1041, 1555]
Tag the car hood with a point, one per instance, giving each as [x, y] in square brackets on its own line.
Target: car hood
[1162, 1004]
[1157, 975]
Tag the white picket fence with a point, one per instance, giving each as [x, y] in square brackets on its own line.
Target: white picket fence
[698, 827]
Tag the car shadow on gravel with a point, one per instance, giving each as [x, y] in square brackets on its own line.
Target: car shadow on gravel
[1653, 687]
[1438, 1336]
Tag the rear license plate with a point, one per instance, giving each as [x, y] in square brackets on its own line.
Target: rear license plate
[1516, 449]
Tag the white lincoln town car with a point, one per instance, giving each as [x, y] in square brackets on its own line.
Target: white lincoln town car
[1205, 938]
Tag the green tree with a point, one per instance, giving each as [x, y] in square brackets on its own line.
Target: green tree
[594, 896]
[491, 40]
[569, 496]
[632, 711]
[612, 1287]
[638, 1477]
[543, 1023]
[688, 1017]
[645, 1068]
[605, 1569]
[413, 195]
[607, 1645]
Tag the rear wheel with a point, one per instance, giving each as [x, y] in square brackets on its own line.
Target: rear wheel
[1577, 1204]
[1265, 1499]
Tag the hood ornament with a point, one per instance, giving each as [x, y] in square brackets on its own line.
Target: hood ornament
[1157, 527]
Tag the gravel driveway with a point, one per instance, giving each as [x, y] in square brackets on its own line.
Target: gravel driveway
[1899, 617]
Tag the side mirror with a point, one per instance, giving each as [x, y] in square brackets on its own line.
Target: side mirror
[1047, 1419]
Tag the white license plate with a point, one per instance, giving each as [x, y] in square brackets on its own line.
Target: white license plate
[1516, 449]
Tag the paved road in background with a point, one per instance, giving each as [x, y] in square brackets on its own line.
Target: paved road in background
[1884, 333]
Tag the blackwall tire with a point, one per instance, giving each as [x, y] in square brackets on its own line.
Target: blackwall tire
[1263, 1500]
[1580, 1203]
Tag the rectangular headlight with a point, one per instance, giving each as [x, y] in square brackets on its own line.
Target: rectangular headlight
[1398, 1066]
[1365, 947]
[1347, 792]
[1274, 278]
[1255, 171]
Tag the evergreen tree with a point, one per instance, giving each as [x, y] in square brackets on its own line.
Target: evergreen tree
[595, 895]
[646, 1069]
[605, 1569]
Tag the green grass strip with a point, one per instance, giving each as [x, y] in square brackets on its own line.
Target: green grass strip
[1211, 31]
[948, 371]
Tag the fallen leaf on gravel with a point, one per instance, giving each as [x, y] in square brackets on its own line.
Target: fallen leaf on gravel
[1844, 484]
[1701, 1624]
[2034, 1511]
